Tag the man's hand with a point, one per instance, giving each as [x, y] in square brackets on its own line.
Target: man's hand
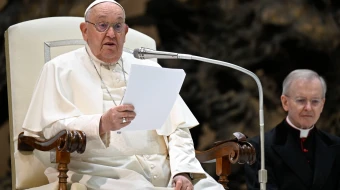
[112, 120]
[182, 181]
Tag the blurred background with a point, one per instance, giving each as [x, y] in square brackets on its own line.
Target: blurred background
[270, 38]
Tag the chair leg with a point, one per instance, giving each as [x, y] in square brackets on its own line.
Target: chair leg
[63, 158]
[223, 171]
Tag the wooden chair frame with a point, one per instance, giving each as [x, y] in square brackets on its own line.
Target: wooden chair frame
[65, 142]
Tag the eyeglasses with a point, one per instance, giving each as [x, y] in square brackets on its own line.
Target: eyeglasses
[315, 102]
[104, 26]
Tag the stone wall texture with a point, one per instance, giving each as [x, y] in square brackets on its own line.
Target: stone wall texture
[269, 38]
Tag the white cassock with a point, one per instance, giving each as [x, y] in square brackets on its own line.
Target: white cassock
[70, 95]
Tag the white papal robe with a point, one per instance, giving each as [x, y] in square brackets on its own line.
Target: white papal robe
[70, 95]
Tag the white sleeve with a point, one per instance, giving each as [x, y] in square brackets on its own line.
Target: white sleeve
[182, 154]
[89, 124]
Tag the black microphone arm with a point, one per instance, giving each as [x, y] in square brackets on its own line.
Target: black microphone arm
[146, 53]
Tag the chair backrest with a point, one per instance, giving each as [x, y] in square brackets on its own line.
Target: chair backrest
[28, 46]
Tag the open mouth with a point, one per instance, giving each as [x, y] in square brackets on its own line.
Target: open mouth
[109, 44]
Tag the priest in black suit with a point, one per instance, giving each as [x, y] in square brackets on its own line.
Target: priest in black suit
[298, 155]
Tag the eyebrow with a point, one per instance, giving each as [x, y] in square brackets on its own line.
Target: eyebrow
[307, 98]
[104, 16]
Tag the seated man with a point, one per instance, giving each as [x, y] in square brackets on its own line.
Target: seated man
[83, 90]
[298, 155]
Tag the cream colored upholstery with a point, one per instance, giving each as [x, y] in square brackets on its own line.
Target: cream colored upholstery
[26, 45]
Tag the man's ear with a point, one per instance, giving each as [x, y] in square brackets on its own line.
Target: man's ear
[323, 103]
[83, 29]
[126, 28]
[284, 102]
[126, 31]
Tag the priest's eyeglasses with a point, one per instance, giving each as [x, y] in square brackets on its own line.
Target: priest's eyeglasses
[104, 26]
[315, 102]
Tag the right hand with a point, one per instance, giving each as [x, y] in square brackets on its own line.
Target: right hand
[112, 120]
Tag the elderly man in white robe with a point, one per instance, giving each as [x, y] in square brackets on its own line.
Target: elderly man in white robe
[83, 90]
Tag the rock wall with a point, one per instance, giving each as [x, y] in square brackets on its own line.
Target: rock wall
[270, 38]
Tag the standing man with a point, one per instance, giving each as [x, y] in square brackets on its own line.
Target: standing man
[298, 155]
[83, 90]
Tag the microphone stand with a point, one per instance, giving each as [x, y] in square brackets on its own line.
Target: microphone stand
[262, 172]
[146, 53]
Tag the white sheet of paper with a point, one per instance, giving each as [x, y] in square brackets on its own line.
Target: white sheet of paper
[153, 92]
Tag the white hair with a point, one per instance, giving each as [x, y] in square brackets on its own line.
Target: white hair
[305, 74]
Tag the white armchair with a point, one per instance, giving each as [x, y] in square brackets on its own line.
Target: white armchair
[28, 46]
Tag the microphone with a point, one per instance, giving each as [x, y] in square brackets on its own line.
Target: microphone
[146, 53]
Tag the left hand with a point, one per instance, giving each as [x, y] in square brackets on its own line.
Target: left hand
[182, 182]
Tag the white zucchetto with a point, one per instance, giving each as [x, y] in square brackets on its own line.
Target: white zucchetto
[96, 2]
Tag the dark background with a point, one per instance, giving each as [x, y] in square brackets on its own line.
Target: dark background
[269, 38]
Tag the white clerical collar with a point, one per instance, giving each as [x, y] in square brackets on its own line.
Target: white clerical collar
[303, 132]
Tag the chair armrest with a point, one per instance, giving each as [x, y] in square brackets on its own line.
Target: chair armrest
[65, 142]
[226, 152]
[237, 150]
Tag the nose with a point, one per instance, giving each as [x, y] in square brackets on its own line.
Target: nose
[110, 32]
[308, 105]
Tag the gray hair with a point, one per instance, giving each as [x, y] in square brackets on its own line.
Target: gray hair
[305, 74]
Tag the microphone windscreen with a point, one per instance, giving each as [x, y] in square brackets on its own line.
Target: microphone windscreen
[136, 53]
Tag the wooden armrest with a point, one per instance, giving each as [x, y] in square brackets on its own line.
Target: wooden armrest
[65, 142]
[226, 152]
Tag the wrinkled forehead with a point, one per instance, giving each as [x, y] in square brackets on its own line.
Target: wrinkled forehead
[94, 3]
[312, 87]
